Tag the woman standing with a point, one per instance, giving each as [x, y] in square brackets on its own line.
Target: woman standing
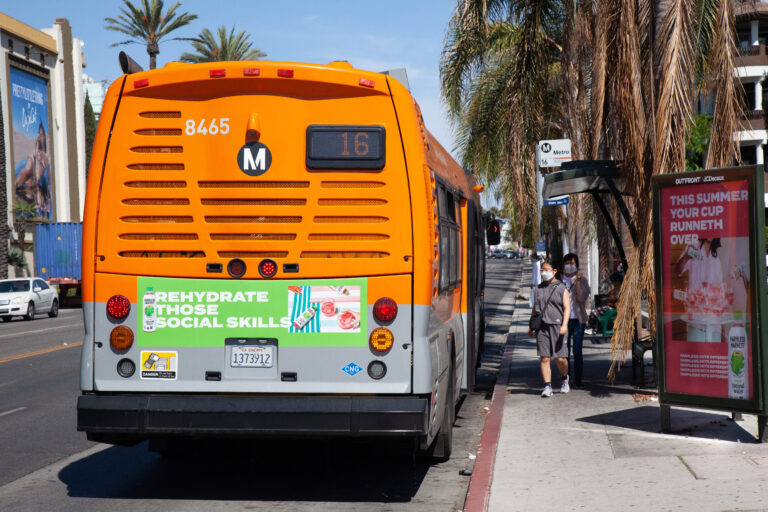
[553, 302]
[578, 289]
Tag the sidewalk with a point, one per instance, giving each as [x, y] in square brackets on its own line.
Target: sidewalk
[600, 447]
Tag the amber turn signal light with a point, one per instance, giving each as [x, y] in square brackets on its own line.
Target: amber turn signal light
[381, 339]
[121, 338]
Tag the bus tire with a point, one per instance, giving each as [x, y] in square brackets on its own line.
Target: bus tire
[443, 443]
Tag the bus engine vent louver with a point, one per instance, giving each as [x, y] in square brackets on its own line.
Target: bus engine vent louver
[158, 131]
[157, 149]
[352, 184]
[344, 254]
[156, 167]
[158, 114]
[259, 219]
[253, 184]
[156, 184]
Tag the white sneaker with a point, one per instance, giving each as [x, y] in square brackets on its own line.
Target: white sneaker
[564, 388]
[547, 392]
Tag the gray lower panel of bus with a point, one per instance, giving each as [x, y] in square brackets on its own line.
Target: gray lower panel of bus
[325, 369]
[126, 417]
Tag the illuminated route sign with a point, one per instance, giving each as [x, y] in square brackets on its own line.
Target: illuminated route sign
[345, 147]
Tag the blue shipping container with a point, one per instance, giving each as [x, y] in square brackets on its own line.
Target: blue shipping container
[57, 250]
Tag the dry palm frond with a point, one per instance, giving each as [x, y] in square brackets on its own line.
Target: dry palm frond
[723, 149]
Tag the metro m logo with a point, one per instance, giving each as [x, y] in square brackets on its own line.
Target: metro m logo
[254, 159]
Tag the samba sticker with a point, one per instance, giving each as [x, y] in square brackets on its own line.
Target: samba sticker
[159, 365]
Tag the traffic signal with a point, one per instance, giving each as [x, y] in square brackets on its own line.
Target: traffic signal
[493, 232]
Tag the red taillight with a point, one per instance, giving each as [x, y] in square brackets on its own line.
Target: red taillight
[285, 73]
[118, 307]
[251, 71]
[366, 82]
[218, 73]
[236, 267]
[141, 83]
[267, 268]
[385, 310]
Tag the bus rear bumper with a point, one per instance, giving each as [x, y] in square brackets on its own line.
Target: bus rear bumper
[125, 417]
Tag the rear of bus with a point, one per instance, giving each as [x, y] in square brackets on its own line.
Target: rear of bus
[248, 256]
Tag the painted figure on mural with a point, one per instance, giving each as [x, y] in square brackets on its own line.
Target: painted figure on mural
[33, 180]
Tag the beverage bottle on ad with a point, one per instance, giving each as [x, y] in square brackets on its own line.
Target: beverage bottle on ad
[148, 305]
[738, 364]
[305, 317]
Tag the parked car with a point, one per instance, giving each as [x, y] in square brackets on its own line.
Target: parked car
[509, 254]
[27, 297]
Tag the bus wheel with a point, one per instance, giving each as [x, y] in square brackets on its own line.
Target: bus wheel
[443, 443]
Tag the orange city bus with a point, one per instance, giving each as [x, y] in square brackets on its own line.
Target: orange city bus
[275, 249]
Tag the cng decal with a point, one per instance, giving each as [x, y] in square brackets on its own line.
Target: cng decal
[254, 158]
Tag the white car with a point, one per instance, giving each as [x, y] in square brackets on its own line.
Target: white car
[27, 297]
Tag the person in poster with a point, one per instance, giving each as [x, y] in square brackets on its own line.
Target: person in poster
[705, 267]
[32, 184]
[32, 163]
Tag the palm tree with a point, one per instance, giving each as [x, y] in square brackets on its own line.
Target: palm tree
[24, 214]
[149, 25]
[499, 78]
[228, 47]
[624, 74]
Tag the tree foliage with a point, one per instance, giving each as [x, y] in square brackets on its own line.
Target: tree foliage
[148, 24]
[697, 141]
[617, 77]
[90, 131]
[224, 47]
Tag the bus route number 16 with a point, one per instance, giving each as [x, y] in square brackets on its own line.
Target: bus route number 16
[216, 126]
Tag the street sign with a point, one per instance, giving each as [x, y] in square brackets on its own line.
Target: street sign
[541, 246]
[552, 153]
[557, 201]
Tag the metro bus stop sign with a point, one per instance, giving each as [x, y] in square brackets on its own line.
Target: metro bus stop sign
[709, 262]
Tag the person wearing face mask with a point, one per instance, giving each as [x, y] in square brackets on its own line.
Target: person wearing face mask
[578, 290]
[552, 300]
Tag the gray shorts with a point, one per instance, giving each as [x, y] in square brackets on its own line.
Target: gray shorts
[550, 343]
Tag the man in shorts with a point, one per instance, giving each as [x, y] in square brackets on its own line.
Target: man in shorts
[553, 301]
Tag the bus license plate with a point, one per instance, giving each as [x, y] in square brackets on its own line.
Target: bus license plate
[251, 357]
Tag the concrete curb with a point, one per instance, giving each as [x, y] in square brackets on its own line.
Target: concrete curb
[479, 493]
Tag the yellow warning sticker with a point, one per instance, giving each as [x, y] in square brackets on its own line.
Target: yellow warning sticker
[159, 365]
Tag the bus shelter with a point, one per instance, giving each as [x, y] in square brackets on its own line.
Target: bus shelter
[596, 178]
[602, 180]
[709, 262]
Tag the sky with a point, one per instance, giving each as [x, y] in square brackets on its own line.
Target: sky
[370, 35]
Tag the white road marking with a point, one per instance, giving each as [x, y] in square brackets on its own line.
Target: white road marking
[22, 333]
[6, 413]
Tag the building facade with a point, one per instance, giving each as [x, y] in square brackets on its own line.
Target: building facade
[41, 104]
[752, 34]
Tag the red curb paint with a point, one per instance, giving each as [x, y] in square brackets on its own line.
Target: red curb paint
[482, 474]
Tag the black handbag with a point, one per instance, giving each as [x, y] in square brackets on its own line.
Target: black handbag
[537, 317]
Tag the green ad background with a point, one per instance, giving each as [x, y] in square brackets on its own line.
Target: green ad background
[276, 307]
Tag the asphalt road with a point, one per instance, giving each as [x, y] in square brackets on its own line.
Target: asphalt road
[47, 465]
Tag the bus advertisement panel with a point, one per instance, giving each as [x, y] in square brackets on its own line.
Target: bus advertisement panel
[707, 286]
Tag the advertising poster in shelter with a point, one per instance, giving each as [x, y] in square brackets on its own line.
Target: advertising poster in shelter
[31, 141]
[707, 321]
